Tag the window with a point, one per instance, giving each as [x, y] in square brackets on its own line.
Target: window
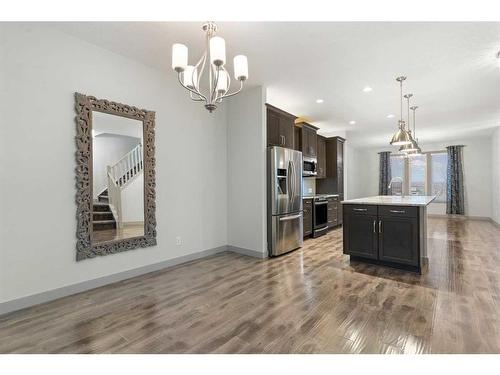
[439, 163]
[397, 170]
[422, 175]
[418, 174]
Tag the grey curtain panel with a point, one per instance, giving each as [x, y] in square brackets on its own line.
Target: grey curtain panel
[384, 173]
[455, 181]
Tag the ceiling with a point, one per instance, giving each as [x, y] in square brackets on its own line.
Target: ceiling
[452, 69]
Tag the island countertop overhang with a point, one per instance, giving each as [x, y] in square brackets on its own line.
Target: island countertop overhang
[394, 200]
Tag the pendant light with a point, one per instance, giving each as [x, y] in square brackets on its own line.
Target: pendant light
[401, 137]
[413, 146]
[419, 150]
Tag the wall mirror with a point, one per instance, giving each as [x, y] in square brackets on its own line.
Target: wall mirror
[115, 177]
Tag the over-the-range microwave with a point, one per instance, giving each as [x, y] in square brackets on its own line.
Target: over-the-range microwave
[309, 166]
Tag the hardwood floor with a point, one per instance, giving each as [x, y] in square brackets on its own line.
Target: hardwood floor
[309, 301]
[128, 231]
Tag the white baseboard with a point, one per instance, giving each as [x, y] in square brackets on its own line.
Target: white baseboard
[250, 253]
[51, 295]
[461, 217]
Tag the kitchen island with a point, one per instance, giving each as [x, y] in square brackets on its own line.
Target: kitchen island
[388, 230]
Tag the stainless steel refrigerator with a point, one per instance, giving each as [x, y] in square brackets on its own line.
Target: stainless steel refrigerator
[284, 200]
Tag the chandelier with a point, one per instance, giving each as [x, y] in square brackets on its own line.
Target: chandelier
[214, 58]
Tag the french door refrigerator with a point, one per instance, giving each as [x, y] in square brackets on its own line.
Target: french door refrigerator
[284, 200]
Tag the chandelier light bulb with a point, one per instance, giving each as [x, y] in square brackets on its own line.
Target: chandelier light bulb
[217, 51]
[240, 67]
[179, 57]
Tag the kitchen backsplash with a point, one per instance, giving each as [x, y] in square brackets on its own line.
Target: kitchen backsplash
[308, 186]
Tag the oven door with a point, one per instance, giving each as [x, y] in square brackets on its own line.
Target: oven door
[320, 214]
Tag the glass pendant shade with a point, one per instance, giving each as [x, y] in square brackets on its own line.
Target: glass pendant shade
[179, 57]
[401, 137]
[222, 81]
[217, 51]
[240, 67]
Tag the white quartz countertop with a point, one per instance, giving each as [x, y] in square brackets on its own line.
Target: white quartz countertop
[394, 200]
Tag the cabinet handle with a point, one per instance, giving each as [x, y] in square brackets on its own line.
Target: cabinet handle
[397, 211]
[360, 209]
[380, 226]
[374, 225]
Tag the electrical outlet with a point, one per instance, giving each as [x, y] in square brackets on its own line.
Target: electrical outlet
[178, 241]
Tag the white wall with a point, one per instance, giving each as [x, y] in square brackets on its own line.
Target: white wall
[495, 183]
[41, 70]
[477, 174]
[246, 169]
[352, 173]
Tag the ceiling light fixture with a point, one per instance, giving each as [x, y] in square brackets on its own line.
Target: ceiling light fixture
[390, 116]
[413, 146]
[219, 79]
[352, 122]
[401, 137]
[367, 89]
[319, 101]
[419, 150]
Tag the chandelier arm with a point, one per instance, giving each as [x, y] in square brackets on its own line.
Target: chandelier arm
[213, 96]
[199, 99]
[228, 80]
[201, 61]
[233, 93]
[191, 90]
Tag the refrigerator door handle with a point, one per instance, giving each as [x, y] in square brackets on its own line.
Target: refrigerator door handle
[293, 217]
[294, 176]
[289, 180]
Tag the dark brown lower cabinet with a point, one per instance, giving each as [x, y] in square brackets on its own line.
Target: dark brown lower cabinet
[385, 234]
[398, 238]
[333, 212]
[360, 235]
[307, 217]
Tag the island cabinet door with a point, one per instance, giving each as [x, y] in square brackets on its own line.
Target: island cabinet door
[360, 235]
[398, 240]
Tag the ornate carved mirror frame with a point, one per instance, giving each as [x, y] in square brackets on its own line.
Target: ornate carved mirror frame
[84, 106]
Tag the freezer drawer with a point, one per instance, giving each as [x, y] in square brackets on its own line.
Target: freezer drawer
[286, 233]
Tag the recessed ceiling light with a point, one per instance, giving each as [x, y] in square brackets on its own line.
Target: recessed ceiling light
[390, 116]
[319, 101]
[367, 89]
[352, 122]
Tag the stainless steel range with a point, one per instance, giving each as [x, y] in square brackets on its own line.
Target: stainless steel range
[320, 215]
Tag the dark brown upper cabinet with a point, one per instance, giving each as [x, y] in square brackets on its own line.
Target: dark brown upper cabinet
[309, 142]
[280, 127]
[333, 183]
[321, 157]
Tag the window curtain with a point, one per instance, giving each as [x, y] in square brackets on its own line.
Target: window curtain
[384, 173]
[455, 181]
